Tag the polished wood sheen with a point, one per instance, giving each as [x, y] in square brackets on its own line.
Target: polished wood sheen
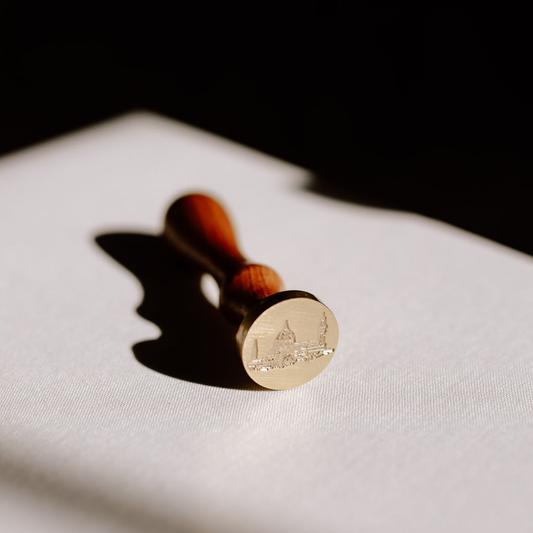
[197, 227]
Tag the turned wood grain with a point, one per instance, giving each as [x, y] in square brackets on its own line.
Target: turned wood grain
[198, 228]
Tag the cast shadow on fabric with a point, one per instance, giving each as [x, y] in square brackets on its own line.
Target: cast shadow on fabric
[196, 342]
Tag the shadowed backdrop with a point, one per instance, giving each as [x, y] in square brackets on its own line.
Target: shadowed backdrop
[427, 110]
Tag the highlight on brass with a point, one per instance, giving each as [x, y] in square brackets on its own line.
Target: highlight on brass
[286, 338]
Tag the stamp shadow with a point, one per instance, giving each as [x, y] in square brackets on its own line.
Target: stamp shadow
[196, 344]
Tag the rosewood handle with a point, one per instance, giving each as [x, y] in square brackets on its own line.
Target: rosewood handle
[198, 228]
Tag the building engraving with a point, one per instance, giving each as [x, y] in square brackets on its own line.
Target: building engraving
[286, 351]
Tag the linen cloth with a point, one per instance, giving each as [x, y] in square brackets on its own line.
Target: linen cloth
[422, 421]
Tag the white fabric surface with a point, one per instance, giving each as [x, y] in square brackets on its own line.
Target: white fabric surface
[422, 422]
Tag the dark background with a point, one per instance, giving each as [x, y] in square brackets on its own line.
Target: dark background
[428, 110]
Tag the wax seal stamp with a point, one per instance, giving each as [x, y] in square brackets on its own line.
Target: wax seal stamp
[286, 338]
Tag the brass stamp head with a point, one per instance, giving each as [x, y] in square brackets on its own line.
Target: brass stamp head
[287, 339]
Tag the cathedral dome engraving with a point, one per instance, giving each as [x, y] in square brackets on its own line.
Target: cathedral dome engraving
[286, 351]
[286, 335]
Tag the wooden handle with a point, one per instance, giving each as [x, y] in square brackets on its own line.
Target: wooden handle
[198, 228]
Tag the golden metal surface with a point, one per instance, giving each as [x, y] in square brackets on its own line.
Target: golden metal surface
[287, 340]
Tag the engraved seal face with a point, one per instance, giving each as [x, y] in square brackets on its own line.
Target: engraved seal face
[288, 340]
